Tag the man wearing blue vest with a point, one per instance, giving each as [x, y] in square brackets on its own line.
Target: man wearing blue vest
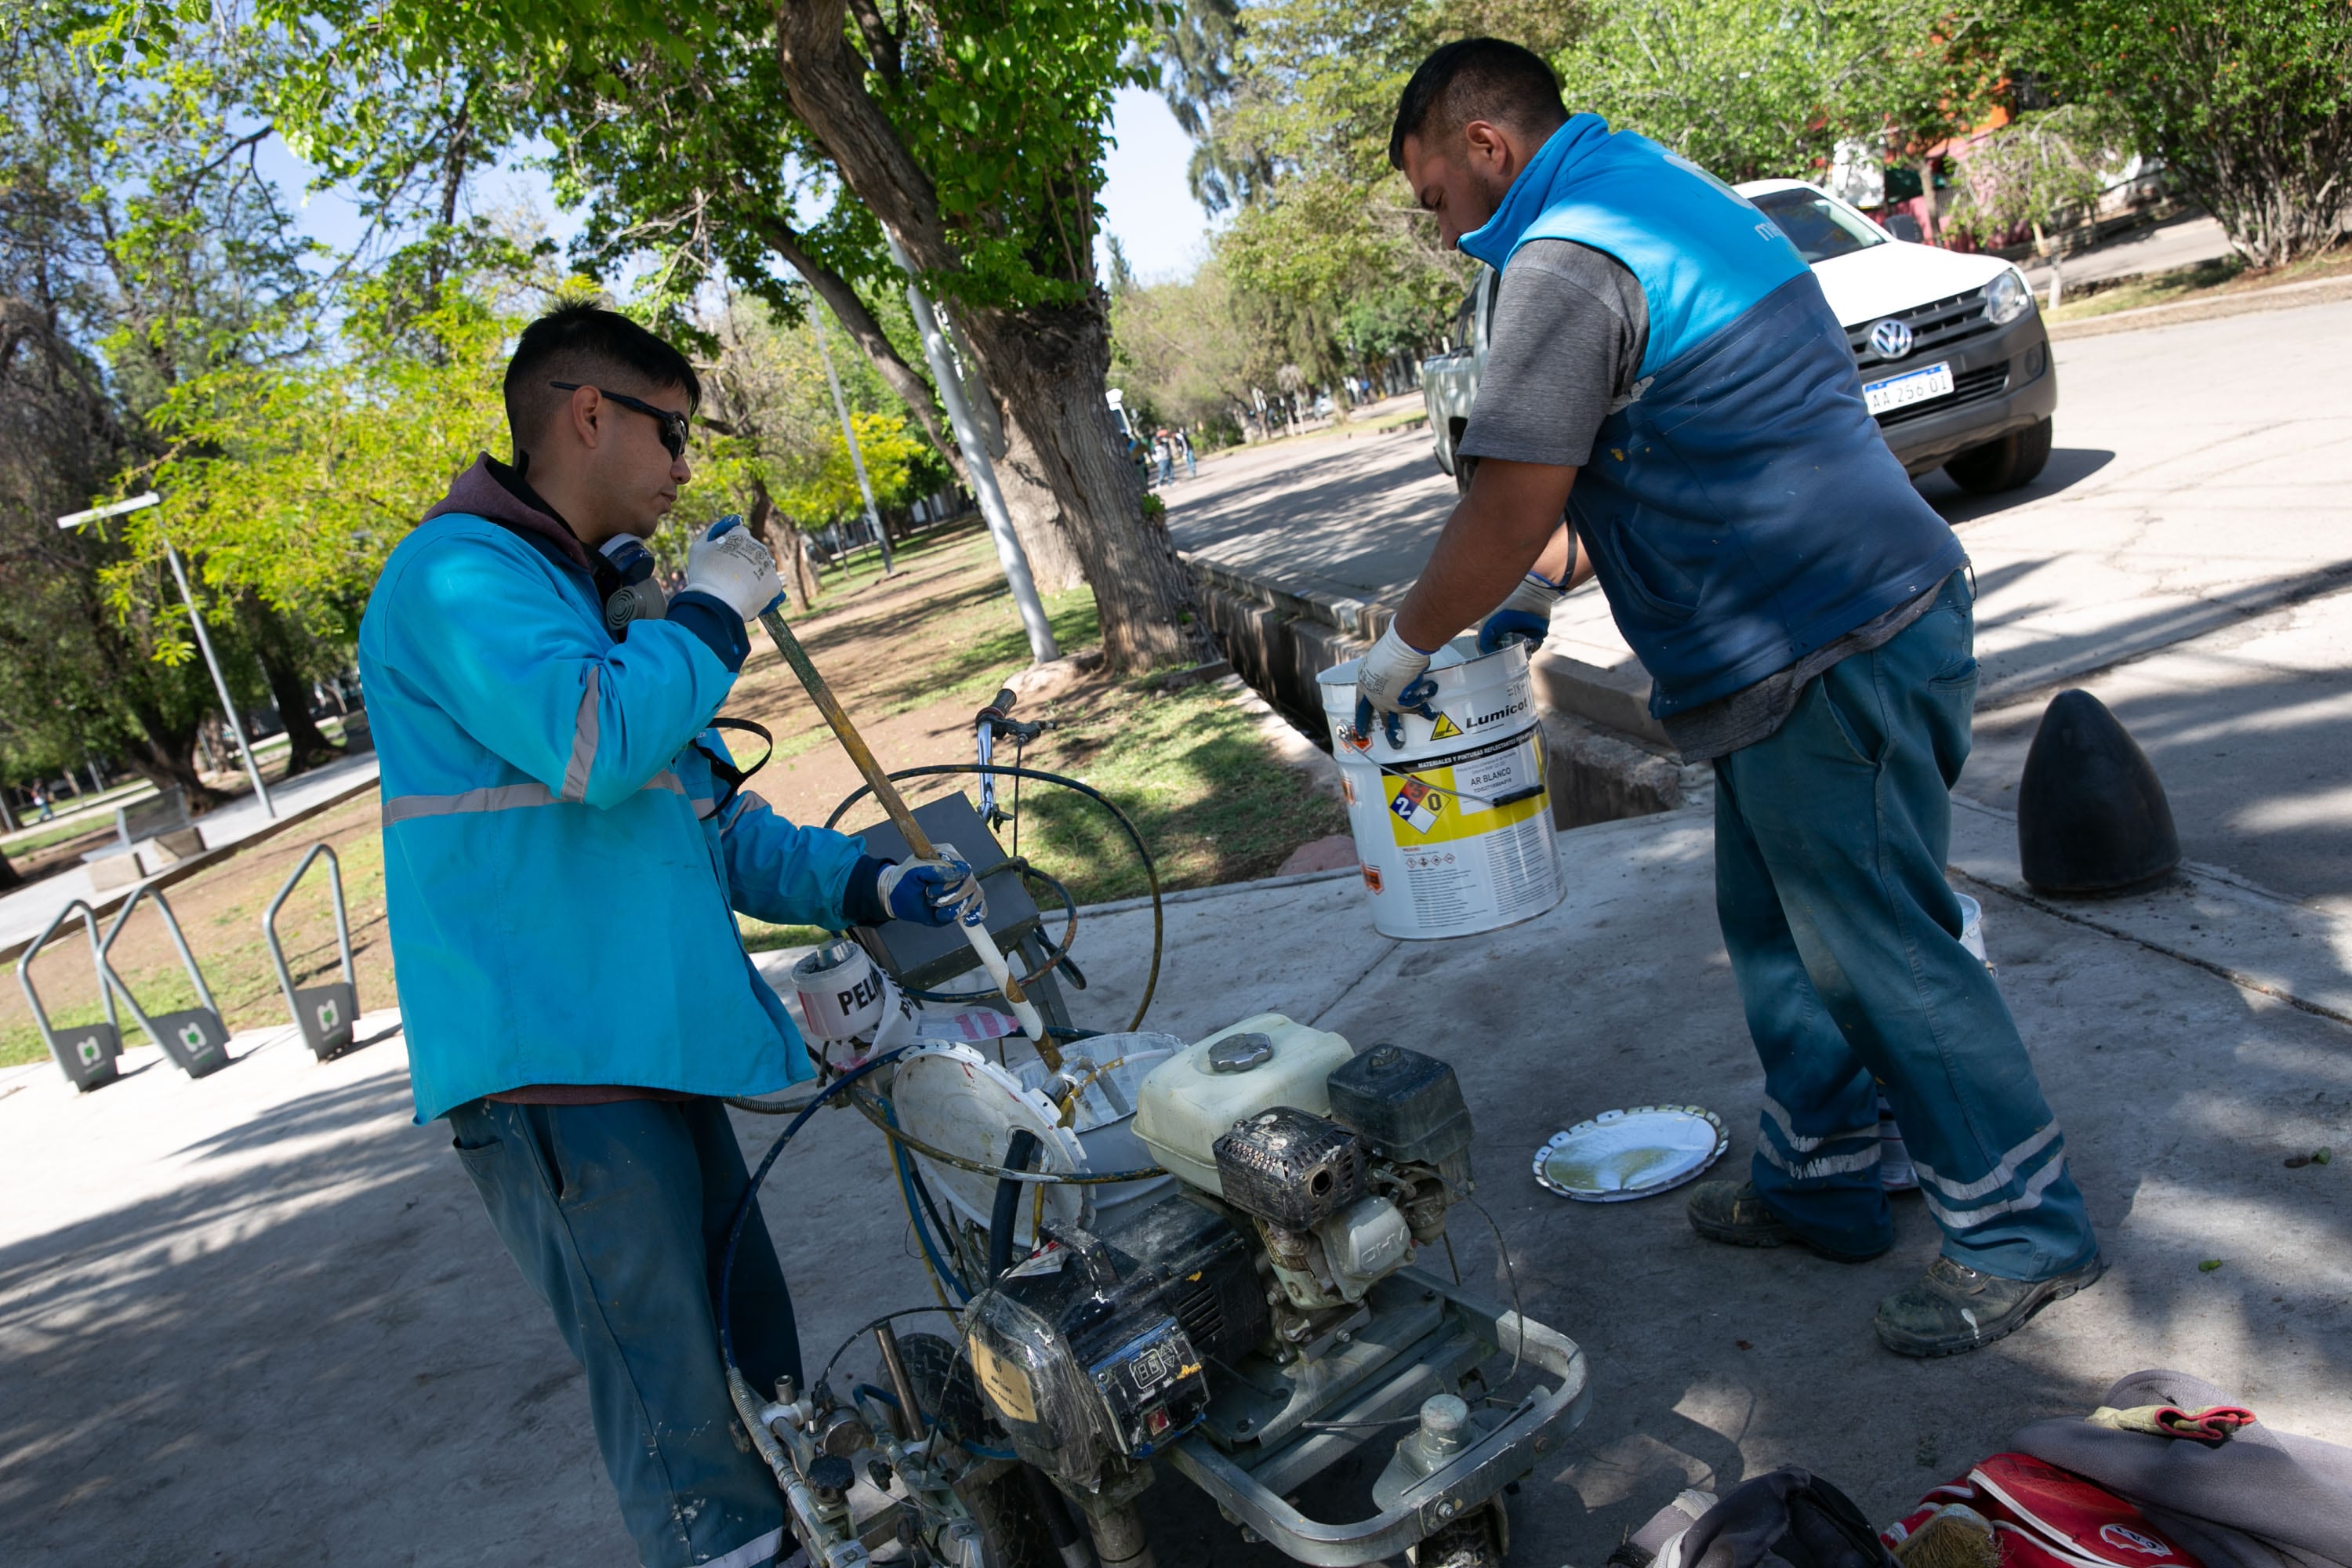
[566, 847]
[1666, 372]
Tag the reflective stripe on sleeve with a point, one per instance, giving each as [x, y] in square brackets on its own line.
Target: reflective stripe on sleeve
[584, 738]
[502, 797]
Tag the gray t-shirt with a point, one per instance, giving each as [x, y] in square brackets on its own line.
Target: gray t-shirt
[1565, 352]
[1570, 327]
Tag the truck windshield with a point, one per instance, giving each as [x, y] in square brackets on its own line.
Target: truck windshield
[1816, 226]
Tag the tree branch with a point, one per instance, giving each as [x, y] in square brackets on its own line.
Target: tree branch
[858, 321]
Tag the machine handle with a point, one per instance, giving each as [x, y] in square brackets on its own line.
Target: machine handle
[919, 843]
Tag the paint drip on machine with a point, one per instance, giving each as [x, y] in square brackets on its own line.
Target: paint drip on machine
[1453, 829]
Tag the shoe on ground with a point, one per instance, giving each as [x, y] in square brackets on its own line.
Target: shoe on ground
[1955, 1309]
[1733, 1213]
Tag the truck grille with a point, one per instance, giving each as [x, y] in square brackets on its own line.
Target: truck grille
[1934, 328]
[1969, 386]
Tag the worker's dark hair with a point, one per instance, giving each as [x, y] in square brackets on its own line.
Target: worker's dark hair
[1476, 79]
[583, 342]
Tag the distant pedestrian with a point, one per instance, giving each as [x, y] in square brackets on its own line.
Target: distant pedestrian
[1162, 451]
[1191, 464]
[41, 803]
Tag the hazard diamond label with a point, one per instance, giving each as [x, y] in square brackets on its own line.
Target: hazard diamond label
[1418, 805]
[1446, 728]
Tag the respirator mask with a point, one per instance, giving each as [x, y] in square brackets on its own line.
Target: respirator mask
[626, 581]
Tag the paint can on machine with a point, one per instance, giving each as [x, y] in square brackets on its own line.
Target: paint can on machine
[1453, 829]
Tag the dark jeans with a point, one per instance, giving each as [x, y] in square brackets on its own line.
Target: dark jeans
[617, 1216]
[1845, 937]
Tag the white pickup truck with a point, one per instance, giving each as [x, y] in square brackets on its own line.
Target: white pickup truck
[1954, 358]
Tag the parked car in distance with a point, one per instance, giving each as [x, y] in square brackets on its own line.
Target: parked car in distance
[1954, 357]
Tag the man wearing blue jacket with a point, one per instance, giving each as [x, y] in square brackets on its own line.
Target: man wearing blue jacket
[1666, 372]
[566, 848]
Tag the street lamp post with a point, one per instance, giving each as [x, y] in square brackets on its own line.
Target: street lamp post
[196, 619]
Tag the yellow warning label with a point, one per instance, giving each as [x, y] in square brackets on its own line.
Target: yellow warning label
[1006, 1383]
[1446, 728]
[1425, 808]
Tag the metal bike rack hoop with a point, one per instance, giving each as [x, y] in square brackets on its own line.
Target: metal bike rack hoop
[324, 1013]
[193, 1038]
[86, 1054]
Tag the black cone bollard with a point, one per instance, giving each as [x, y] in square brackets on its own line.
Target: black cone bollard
[2091, 815]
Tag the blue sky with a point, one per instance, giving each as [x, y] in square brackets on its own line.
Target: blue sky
[1145, 199]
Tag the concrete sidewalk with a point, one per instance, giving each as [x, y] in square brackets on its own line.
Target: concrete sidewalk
[261, 1317]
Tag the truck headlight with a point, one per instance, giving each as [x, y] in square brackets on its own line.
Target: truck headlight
[2007, 297]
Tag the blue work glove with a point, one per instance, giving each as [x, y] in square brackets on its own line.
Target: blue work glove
[1391, 680]
[932, 892]
[735, 569]
[1525, 616]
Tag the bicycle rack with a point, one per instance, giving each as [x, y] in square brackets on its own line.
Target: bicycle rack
[193, 1038]
[88, 1052]
[324, 1013]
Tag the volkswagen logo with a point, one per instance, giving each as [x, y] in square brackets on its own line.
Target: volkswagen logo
[1891, 338]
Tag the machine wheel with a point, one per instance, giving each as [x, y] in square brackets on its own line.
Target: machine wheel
[1479, 1540]
[2003, 463]
[1004, 1505]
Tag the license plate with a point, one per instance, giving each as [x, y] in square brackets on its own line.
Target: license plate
[1912, 387]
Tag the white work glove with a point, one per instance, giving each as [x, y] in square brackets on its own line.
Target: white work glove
[735, 569]
[1525, 616]
[1389, 680]
[938, 892]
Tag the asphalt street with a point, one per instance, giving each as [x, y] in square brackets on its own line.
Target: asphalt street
[2185, 552]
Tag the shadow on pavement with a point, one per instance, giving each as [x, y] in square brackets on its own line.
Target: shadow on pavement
[2069, 466]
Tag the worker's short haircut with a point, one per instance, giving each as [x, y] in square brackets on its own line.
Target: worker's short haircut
[1476, 79]
[585, 342]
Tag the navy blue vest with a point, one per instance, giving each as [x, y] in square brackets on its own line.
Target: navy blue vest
[1742, 510]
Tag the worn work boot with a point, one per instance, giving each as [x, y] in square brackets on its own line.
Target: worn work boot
[1954, 1308]
[1731, 1212]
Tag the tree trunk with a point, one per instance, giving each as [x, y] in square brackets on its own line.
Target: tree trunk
[166, 759]
[1049, 366]
[763, 511]
[276, 644]
[9, 876]
[1037, 515]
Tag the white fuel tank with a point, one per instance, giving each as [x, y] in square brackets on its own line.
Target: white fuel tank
[1193, 1097]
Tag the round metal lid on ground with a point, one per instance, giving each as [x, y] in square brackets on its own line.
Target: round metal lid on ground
[1623, 1155]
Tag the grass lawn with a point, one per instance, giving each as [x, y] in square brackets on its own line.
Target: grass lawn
[2206, 281]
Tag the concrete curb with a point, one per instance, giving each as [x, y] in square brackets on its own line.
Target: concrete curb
[2280, 296]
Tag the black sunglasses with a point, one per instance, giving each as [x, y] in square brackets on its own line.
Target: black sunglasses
[672, 422]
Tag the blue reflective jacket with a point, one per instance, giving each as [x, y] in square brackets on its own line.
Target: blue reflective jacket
[560, 888]
[1743, 510]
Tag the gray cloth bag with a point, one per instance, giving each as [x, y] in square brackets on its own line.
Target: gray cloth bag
[2263, 1498]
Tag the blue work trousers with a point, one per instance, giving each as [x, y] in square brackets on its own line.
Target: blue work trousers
[1845, 937]
[617, 1216]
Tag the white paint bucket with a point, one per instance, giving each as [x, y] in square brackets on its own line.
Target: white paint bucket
[1453, 829]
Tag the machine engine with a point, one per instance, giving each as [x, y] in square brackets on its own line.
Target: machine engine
[1309, 1175]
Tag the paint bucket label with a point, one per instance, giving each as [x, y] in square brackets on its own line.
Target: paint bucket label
[1453, 827]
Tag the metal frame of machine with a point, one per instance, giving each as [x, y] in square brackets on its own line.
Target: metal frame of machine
[1244, 1309]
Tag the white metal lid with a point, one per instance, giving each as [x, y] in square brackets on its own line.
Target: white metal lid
[1624, 1154]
